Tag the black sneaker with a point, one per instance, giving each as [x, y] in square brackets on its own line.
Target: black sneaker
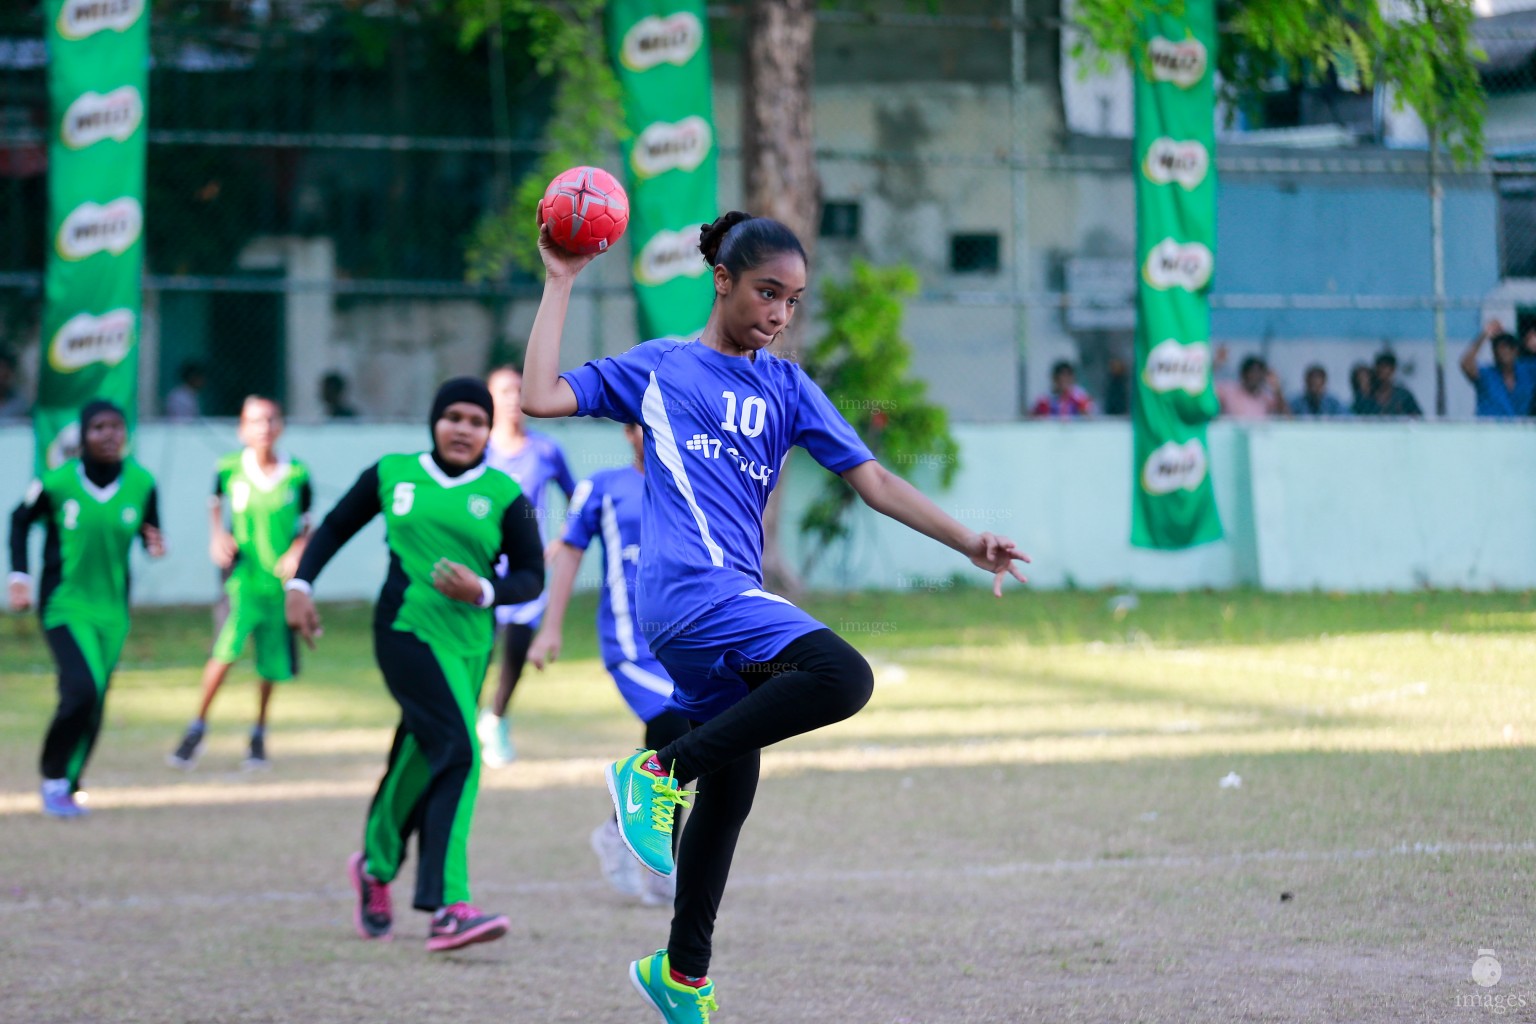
[460, 924]
[256, 759]
[185, 755]
[374, 916]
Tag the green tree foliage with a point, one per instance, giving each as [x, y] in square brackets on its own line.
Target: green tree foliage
[864, 362]
[1422, 49]
[567, 44]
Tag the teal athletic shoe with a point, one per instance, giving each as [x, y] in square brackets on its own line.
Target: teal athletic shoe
[496, 749]
[677, 1002]
[645, 800]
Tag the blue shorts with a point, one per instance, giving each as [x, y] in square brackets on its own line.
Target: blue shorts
[529, 613]
[705, 656]
[644, 685]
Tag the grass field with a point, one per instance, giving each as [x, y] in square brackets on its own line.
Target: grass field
[1026, 824]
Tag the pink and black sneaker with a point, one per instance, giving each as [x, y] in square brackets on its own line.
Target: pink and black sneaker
[460, 924]
[374, 916]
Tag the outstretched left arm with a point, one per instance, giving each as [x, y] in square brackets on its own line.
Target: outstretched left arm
[890, 495]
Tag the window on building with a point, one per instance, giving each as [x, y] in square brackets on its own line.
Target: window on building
[840, 219]
[974, 253]
[1517, 227]
[1285, 104]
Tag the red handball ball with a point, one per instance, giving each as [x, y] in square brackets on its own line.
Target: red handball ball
[586, 210]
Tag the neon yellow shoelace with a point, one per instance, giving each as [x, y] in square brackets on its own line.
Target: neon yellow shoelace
[669, 797]
[707, 1005]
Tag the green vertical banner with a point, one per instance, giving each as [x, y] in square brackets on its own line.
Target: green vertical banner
[1175, 506]
[660, 53]
[98, 75]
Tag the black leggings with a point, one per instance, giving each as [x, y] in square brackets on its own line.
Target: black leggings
[514, 657]
[77, 721]
[659, 731]
[826, 681]
[665, 728]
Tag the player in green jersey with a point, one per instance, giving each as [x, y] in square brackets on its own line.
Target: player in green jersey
[269, 498]
[93, 507]
[449, 519]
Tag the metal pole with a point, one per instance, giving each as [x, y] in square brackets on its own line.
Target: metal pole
[1020, 212]
[1437, 259]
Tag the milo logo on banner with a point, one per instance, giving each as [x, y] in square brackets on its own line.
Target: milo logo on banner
[85, 340]
[1183, 62]
[670, 254]
[97, 116]
[91, 228]
[1174, 467]
[1172, 366]
[680, 146]
[1169, 160]
[1172, 265]
[79, 19]
[654, 41]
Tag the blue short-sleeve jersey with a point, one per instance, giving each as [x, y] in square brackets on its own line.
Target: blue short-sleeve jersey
[537, 464]
[1496, 399]
[717, 429]
[607, 508]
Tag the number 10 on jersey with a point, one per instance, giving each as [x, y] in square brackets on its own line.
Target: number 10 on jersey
[754, 414]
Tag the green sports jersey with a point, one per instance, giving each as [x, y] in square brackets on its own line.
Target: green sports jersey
[429, 516]
[90, 531]
[266, 514]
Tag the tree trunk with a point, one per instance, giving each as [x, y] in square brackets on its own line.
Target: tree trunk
[779, 168]
[777, 140]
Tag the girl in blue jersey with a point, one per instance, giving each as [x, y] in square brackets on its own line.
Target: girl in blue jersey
[750, 669]
[534, 460]
[607, 507]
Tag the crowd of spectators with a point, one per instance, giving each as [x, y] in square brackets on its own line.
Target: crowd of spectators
[1505, 386]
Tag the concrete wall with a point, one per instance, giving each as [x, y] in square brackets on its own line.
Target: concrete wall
[1333, 506]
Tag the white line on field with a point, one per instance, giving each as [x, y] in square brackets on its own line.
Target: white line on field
[337, 894]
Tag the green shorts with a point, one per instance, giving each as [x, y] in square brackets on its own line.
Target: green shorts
[258, 617]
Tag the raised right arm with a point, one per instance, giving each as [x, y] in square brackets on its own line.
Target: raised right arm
[1469, 357]
[544, 392]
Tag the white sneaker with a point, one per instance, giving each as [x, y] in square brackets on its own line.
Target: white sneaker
[658, 890]
[620, 868]
[496, 750]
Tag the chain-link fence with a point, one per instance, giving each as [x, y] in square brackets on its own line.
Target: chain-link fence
[314, 174]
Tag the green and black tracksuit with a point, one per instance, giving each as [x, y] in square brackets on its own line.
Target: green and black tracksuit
[92, 515]
[432, 649]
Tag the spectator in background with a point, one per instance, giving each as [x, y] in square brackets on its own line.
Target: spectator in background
[333, 394]
[1361, 383]
[182, 402]
[1505, 386]
[1315, 400]
[1255, 395]
[1066, 400]
[1117, 387]
[13, 404]
[1387, 397]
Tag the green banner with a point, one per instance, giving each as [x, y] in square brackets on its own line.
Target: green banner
[98, 77]
[660, 52]
[1175, 506]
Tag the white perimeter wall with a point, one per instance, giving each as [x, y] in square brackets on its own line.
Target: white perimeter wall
[1332, 506]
